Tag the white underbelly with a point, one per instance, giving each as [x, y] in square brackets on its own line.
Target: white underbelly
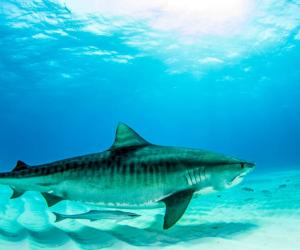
[110, 196]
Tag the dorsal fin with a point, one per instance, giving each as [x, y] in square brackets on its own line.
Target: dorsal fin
[127, 137]
[20, 166]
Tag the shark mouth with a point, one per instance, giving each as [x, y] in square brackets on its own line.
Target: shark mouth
[236, 180]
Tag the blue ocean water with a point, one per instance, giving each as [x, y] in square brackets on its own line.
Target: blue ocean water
[217, 76]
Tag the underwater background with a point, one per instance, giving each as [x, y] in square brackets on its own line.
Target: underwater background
[222, 76]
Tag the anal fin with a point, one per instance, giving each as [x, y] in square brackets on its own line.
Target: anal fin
[51, 199]
[16, 193]
[176, 205]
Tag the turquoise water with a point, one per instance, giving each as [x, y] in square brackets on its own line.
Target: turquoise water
[218, 76]
[262, 213]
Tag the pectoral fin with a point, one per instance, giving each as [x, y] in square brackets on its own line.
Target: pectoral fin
[176, 205]
[51, 199]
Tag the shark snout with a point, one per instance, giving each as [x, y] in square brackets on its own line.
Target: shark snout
[247, 165]
[240, 172]
[246, 168]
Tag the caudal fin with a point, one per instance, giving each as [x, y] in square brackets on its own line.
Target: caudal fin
[58, 217]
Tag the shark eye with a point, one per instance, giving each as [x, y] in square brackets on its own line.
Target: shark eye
[242, 165]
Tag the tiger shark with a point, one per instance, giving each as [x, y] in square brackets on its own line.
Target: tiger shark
[131, 173]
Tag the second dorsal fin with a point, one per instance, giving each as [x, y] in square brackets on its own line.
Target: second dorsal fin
[20, 166]
[127, 137]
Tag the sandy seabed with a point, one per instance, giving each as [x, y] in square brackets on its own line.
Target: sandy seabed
[261, 213]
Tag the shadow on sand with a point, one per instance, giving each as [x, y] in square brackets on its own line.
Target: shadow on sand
[157, 236]
[92, 238]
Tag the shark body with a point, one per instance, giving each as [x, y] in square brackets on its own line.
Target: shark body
[133, 172]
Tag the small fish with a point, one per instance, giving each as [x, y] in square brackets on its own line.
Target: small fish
[282, 186]
[248, 189]
[266, 192]
[94, 215]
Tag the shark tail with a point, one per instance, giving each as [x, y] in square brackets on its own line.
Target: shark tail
[58, 217]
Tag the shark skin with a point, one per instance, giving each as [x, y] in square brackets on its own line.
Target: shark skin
[132, 173]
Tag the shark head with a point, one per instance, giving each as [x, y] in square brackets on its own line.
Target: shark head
[230, 174]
